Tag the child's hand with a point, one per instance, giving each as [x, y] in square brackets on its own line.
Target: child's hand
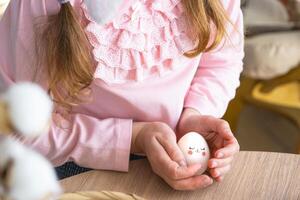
[218, 135]
[158, 142]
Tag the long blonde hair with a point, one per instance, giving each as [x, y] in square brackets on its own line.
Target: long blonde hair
[202, 16]
[63, 48]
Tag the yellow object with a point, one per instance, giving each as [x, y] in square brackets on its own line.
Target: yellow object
[287, 95]
[237, 104]
[104, 195]
[280, 95]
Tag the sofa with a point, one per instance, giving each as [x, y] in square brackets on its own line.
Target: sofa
[271, 76]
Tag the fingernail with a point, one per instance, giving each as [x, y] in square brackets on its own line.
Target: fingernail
[213, 164]
[208, 182]
[216, 174]
[220, 179]
[220, 155]
[182, 163]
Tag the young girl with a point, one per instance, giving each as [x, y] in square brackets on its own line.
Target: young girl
[129, 76]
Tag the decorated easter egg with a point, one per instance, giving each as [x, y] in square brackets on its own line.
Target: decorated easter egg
[195, 150]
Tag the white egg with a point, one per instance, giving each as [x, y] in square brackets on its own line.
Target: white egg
[195, 150]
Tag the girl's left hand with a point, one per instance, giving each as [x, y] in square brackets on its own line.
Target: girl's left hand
[222, 143]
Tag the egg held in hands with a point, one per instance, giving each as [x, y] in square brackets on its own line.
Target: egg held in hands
[195, 150]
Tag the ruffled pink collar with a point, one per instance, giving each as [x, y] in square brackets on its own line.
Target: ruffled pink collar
[147, 38]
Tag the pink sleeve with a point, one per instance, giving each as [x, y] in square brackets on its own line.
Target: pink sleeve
[90, 142]
[218, 73]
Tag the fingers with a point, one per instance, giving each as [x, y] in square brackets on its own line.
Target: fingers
[229, 150]
[219, 179]
[193, 183]
[178, 170]
[223, 129]
[178, 177]
[219, 134]
[171, 147]
[216, 142]
[220, 126]
[216, 163]
[183, 172]
[219, 167]
[217, 172]
[164, 165]
[167, 160]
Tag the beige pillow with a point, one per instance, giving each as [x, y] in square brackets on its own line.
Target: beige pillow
[265, 12]
[270, 55]
[3, 6]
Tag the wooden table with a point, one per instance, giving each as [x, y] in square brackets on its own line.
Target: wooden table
[254, 175]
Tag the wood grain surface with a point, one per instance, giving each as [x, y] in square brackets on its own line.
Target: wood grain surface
[254, 175]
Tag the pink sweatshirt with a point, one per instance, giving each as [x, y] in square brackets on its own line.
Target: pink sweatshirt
[141, 75]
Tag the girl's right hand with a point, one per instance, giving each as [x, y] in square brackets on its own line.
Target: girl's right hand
[158, 141]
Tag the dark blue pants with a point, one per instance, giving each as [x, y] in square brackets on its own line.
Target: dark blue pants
[71, 169]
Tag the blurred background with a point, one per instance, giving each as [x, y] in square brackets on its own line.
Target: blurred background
[265, 115]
